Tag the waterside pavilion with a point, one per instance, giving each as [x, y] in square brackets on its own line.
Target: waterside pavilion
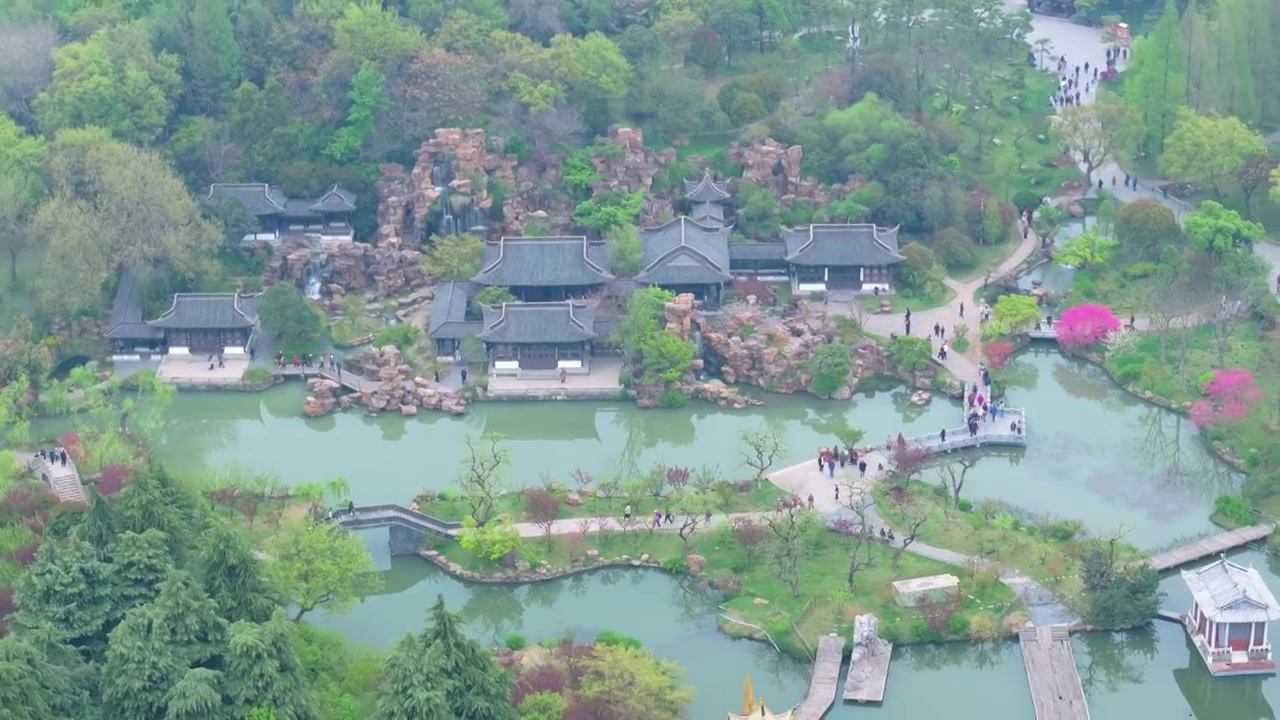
[539, 338]
[855, 256]
[278, 216]
[1229, 620]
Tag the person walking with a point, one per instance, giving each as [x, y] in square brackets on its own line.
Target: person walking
[943, 435]
[962, 309]
[811, 498]
[626, 512]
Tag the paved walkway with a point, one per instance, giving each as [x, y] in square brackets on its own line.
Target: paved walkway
[614, 523]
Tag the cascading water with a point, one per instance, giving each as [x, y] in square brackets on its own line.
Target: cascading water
[439, 175]
[311, 279]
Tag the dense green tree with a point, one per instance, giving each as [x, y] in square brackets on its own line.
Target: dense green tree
[139, 563]
[114, 81]
[829, 367]
[321, 565]
[1013, 314]
[1217, 230]
[609, 209]
[196, 696]
[287, 314]
[476, 689]
[141, 666]
[632, 684]
[1209, 149]
[1144, 228]
[233, 577]
[367, 97]
[114, 206]
[68, 594]
[491, 296]
[921, 269]
[1085, 249]
[370, 33]
[1158, 78]
[189, 619]
[413, 685]
[263, 671]
[626, 250]
[759, 210]
[453, 257]
[151, 500]
[36, 688]
[213, 57]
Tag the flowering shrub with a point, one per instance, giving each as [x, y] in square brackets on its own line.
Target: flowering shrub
[1084, 325]
[1228, 397]
[997, 352]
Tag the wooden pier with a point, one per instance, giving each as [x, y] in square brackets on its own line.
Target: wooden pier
[1210, 546]
[1056, 690]
[825, 680]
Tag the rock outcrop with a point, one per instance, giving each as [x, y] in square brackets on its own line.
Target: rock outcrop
[391, 387]
[377, 271]
[632, 169]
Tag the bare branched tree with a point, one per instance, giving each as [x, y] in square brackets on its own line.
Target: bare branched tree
[914, 516]
[26, 66]
[953, 480]
[789, 525]
[762, 447]
[859, 531]
[481, 474]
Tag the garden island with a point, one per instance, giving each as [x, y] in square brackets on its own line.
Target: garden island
[497, 359]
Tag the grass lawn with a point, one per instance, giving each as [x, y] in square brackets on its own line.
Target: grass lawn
[1017, 152]
[987, 258]
[910, 299]
[763, 496]
[1048, 551]
[754, 594]
[1252, 439]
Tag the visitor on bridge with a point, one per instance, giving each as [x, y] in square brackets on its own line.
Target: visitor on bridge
[837, 492]
[943, 435]
[831, 466]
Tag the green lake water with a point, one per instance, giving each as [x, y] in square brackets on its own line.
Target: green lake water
[1096, 454]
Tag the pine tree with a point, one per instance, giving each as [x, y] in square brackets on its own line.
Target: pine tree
[1195, 45]
[97, 526]
[152, 499]
[196, 696]
[262, 671]
[139, 563]
[1159, 70]
[33, 688]
[213, 56]
[232, 577]
[68, 591]
[192, 625]
[141, 667]
[412, 686]
[476, 688]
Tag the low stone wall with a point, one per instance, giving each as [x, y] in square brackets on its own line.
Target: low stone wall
[532, 394]
[519, 576]
[233, 386]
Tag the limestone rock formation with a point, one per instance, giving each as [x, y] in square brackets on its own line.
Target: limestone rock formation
[771, 164]
[320, 399]
[379, 271]
[632, 169]
[392, 386]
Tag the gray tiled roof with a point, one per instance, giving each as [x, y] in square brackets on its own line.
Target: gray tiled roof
[544, 322]
[126, 321]
[543, 262]
[449, 312]
[706, 189]
[684, 252]
[209, 311]
[758, 251]
[708, 213]
[1227, 592]
[299, 209]
[842, 245]
[335, 200]
[258, 198]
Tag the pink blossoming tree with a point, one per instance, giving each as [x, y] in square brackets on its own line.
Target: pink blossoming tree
[1228, 397]
[1084, 325]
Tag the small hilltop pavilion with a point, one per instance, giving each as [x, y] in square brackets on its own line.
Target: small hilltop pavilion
[754, 709]
[1231, 611]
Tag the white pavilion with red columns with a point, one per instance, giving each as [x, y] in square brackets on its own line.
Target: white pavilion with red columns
[1231, 611]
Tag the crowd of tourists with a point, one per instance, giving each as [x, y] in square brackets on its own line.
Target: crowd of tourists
[307, 360]
[56, 456]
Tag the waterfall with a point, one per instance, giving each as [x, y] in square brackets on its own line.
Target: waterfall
[474, 218]
[311, 279]
[448, 223]
[439, 175]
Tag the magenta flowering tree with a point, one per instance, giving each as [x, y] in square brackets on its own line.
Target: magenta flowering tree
[1084, 325]
[1228, 397]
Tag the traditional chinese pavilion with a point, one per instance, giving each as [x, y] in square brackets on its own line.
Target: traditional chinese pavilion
[1229, 620]
[754, 709]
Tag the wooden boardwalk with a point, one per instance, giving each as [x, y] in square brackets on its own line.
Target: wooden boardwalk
[825, 681]
[63, 480]
[1210, 546]
[1056, 690]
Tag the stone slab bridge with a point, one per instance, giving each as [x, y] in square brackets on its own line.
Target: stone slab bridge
[1210, 546]
[407, 528]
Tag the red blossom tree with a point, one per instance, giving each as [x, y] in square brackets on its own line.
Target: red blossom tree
[749, 534]
[909, 460]
[997, 352]
[1228, 397]
[539, 678]
[541, 508]
[1084, 325]
[111, 478]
